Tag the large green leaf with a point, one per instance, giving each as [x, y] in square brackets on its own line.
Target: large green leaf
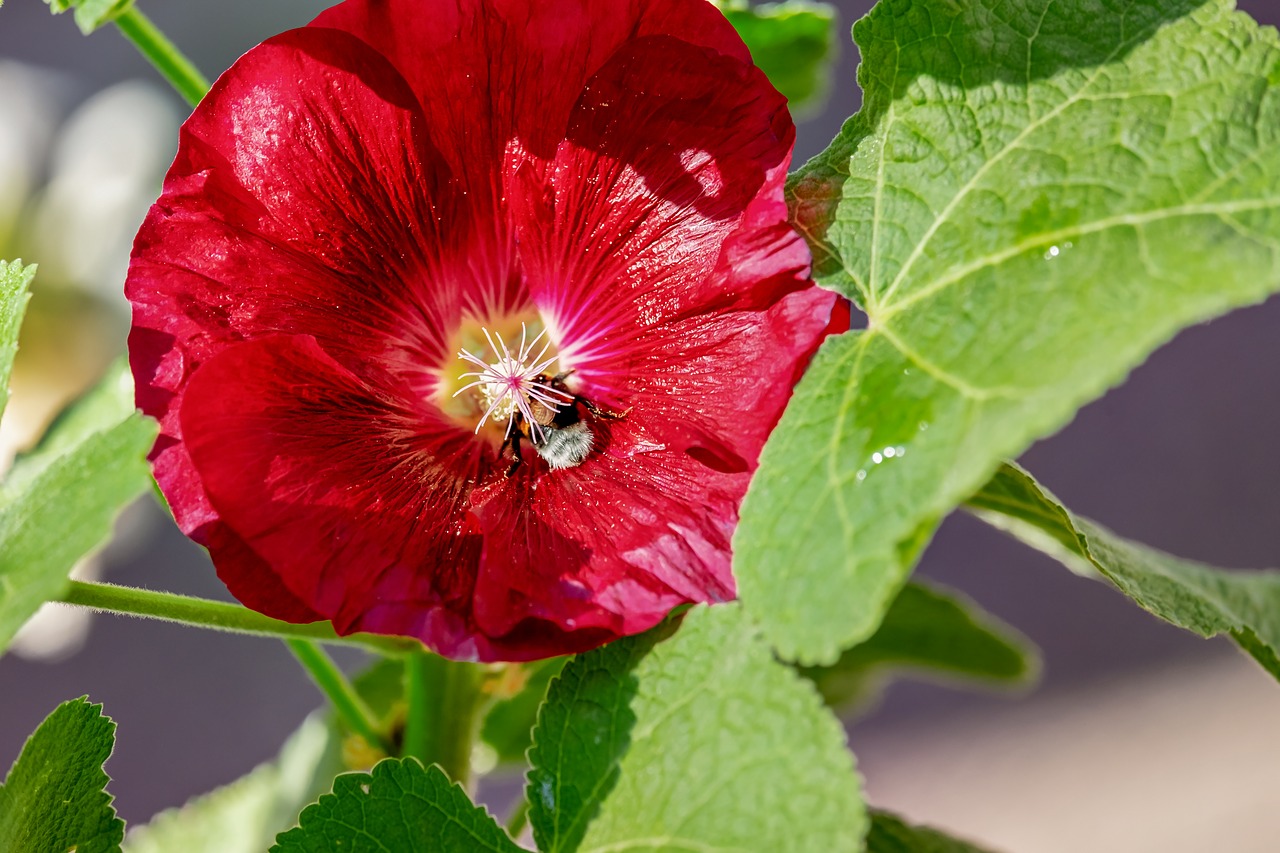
[1200, 598]
[400, 807]
[1036, 194]
[890, 834]
[692, 740]
[792, 42]
[15, 291]
[246, 815]
[59, 501]
[55, 798]
[933, 633]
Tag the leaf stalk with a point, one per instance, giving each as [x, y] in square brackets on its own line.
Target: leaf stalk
[181, 73]
[351, 709]
[218, 616]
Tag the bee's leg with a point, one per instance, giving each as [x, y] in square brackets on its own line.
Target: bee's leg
[516, 459]
[607, 414]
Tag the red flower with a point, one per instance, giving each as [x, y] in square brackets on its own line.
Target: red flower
[360, 207]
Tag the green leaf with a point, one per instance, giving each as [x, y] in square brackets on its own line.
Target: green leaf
[793, 43]
[59, 501]
[692, 740]
[890, 834]
[1203, 599]
[15, 290]
[55, 797]
[1035, 195]
[91, 14]
[932, 632]
[246, 815]
[400, 807]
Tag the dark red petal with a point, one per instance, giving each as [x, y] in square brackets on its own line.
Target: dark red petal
[667, 150]
[719, 381]
[489, 71]
[645, 524]
[305, 198]
[612, 544]
[348, 496]
[659, 245]
[250, 578]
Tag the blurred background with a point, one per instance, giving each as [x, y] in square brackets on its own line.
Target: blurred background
[1139, 738]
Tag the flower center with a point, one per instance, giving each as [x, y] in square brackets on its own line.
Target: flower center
[504, 380]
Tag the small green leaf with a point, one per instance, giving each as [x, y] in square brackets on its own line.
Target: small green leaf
[246, 815]
[1035, 195]
[508, 727]
[1203, 599]
[890, 834]
[400, 807]
[793, 43]
[59, 500]
[15, 291]
[55, 797]
[692, 740]
[91, 14]
[931, 632]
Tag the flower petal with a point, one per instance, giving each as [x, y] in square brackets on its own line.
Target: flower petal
[358, 508]
[489, 71]
[612, 544]
[305, 199]
[346, 493]
[667, 152]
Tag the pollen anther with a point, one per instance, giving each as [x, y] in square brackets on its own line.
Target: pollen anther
[511, 384]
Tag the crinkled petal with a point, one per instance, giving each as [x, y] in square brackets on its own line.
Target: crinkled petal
[353, 498]
[612, 545]
[488, 71]
[349, 497]
[667, 150]
[305, 198]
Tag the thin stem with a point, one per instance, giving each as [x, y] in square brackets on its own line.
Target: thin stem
[519, 818]
[164, 55]
[420, 683]
[345, 700]
[217, 615]
[444, 701]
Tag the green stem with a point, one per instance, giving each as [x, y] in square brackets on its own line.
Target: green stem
[444, 703]
[344, 698]
[164, 55]
[519, 818]
[218, 615]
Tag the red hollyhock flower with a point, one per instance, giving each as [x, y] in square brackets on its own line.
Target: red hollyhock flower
[369, 224]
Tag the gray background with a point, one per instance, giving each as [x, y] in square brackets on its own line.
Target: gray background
[1181, 457]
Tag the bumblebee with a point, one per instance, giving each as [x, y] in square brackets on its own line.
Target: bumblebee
[562, 436]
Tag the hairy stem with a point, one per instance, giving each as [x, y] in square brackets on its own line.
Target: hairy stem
[217, 615]
[519, 818]
[164, 55]
[345, 700]
[444, 701]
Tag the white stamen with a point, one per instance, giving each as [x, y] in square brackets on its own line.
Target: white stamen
[507, 385]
